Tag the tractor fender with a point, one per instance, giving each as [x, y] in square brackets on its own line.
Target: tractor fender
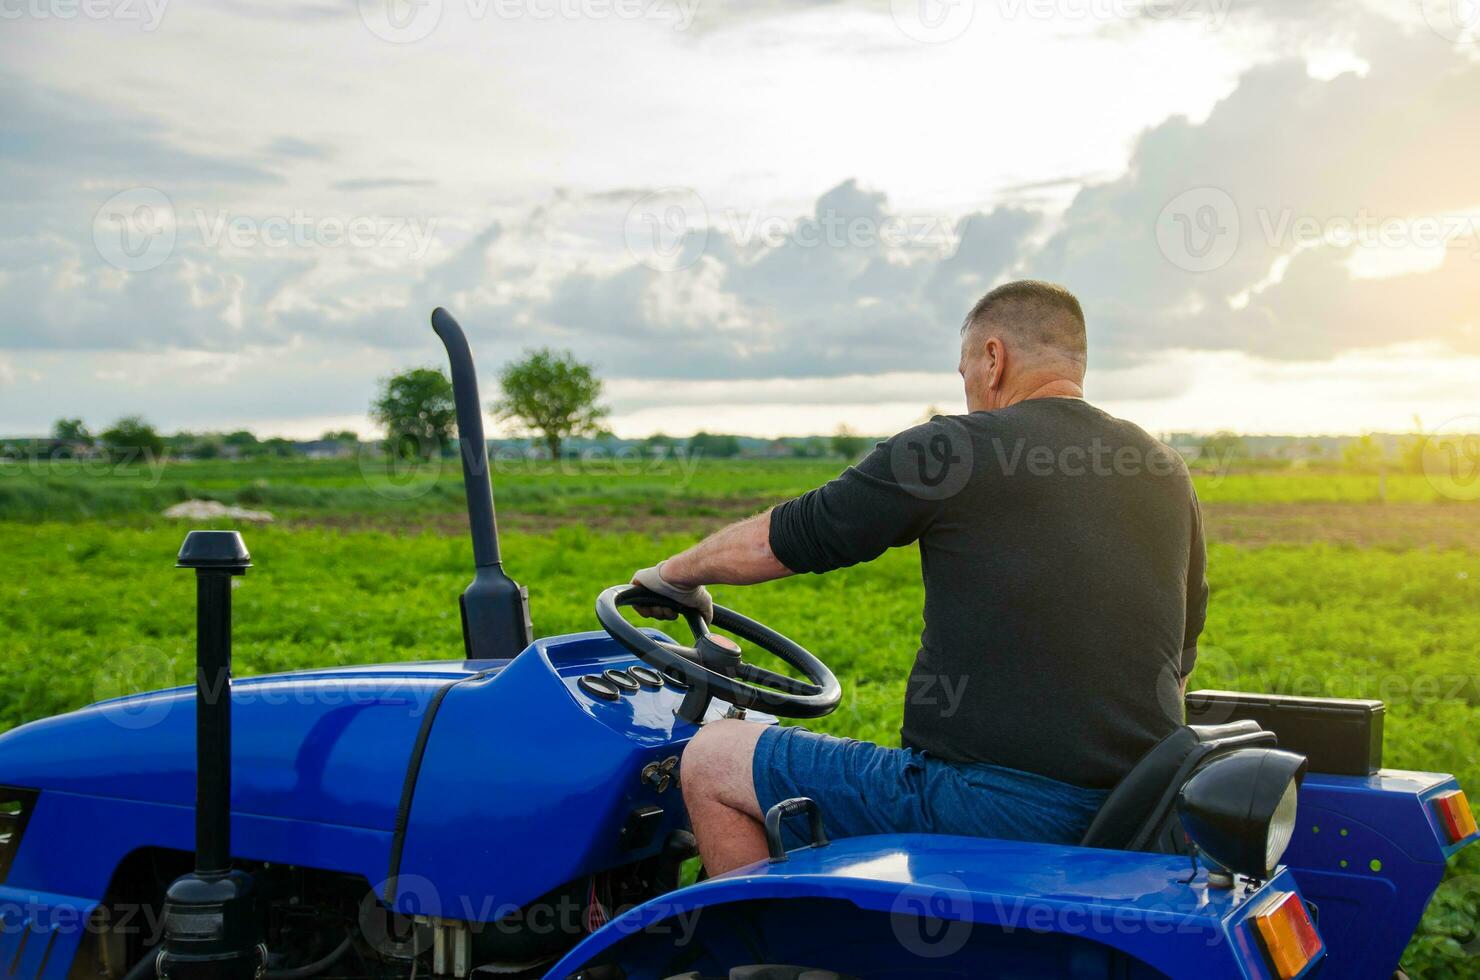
[1020, 903]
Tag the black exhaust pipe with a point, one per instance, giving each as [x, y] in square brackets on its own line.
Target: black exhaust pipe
[495, 609]
[210, 918]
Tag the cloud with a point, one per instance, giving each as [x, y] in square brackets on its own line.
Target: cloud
[293, 147]
[58, 145]
[301, 11]
[853, 287]
[1393, 149]
[381, 183]
[856, 284]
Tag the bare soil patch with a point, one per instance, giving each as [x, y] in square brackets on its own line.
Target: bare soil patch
[1365, 525]
[1359, 525]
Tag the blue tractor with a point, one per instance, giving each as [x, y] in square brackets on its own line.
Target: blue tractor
[515, 812]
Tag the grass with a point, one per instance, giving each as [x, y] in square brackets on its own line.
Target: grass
[91, 606]
[1313, 620]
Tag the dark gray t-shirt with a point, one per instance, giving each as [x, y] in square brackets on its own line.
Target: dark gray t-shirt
[1063, 560]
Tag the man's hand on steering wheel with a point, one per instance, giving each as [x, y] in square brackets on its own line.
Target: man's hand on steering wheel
[714, 666]
[697, 597]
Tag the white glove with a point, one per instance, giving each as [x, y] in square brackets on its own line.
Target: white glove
[695, 598]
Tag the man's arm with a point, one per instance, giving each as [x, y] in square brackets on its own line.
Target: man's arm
[737, 555]
[853, 518]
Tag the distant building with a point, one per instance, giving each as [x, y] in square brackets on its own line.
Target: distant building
[324, 449]
[46, 448]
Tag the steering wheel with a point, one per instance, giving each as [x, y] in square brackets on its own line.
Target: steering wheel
[714, 667]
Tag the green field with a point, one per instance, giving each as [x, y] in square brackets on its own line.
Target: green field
[91, 606]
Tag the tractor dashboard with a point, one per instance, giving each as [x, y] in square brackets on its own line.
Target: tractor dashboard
[617, 689]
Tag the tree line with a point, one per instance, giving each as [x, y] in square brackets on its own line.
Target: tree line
[552, 397]
[133, 437]
[548, 396]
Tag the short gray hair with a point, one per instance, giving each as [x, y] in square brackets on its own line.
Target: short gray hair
[1041, 316]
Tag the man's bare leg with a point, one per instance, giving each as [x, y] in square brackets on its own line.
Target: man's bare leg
[719, 791]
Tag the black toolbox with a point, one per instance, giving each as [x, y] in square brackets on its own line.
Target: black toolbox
[1336, 735]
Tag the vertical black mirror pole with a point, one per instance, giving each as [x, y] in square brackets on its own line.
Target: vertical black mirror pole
[210, 924]
[495, 609]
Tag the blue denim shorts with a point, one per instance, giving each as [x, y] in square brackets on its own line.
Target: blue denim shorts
[865, 789]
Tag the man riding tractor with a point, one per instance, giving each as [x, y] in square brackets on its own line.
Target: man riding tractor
[1063, 562]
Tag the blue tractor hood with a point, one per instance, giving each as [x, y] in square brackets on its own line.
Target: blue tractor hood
[493, 778]
[327, 746]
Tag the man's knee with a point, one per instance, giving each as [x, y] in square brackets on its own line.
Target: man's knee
[717, 763]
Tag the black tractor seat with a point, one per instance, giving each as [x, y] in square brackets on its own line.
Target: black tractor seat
[1140, 812]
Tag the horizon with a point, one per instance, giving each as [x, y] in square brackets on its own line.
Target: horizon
[371, 434]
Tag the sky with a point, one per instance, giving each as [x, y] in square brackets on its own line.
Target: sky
[765, 217]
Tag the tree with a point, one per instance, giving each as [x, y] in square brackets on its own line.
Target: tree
[207, 447]
[242, 443]
[720, 447]
[551, 393]
[811, 448]
[1364, 453]
[343, 435]
[1413, 448]
[847, 443]
[658, 445]
[278, 446]
[73, 431]
[131, 438]
[417, 411]
[1222, 448]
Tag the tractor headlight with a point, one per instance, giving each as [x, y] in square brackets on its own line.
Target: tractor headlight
[1281, 825]
[1239, 809]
